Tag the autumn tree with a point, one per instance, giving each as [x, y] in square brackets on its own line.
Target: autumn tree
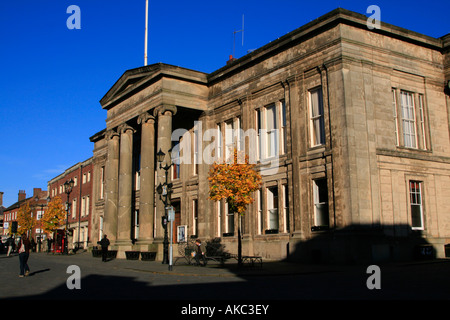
[235, 181]
[25, 219]
[54, 217]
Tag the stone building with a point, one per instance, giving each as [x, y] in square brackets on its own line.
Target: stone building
[348, 126]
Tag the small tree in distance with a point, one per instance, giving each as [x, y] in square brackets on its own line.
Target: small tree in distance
[25, 220]
[235, 181]
[54, 217]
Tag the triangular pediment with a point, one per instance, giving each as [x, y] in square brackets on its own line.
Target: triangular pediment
[136, 79]
[129, 82]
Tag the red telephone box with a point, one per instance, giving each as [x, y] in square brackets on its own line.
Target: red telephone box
[58, 243]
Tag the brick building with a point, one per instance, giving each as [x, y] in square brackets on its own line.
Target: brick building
[38, 205]
[10, 213]
[349, 127]
[2, 208]
[79, 198]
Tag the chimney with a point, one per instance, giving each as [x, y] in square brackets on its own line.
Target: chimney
[36, 192]
[231, 59]
[22, 195]
[1, 198]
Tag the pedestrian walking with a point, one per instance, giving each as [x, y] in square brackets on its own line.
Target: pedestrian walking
[104, 243]
[24, 254]
[49, 245]
[200, 252]
[33, 245]
[10, 243]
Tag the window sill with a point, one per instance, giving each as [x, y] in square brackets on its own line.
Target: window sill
[410, 149]
[228, 234]
[320, 228]
[318, 147]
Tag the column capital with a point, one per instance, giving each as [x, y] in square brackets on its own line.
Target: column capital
[162, 109]
[111, 133]
[125, 127]
[145, 117]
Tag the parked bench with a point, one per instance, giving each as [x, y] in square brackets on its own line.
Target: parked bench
[186, 250]
[252, 260]
[111, 254]
[185, 253]
[219, 259]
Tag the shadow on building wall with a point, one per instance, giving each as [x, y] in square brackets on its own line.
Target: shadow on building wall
[362, 244]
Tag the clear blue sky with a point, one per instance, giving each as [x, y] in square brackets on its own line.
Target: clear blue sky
[52, 78]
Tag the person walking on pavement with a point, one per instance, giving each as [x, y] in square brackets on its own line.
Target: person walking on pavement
[24, 254]
[200, 252]
[10, 243]
[104, 243]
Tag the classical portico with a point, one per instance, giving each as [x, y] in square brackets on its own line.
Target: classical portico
[137, 128]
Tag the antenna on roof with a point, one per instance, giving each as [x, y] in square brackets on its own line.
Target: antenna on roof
[146, 32]
[234, 36]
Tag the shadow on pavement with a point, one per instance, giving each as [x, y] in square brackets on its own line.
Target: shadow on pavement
[38, 271]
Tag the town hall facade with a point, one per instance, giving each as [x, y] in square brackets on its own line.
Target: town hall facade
[348, 127]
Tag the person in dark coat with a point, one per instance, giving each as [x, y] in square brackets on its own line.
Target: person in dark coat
[104, 243]
[200, 252]
[24, 254]
[10, 243]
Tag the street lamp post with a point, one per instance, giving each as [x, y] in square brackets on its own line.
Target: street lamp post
[68, 185]
[39, 237]
[165, 191]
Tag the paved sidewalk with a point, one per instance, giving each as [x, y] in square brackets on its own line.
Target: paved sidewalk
[49, 275]
[151, 280]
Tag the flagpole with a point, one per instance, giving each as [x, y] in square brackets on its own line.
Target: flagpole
[146, 32]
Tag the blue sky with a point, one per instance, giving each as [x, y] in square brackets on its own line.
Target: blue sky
[52, 78]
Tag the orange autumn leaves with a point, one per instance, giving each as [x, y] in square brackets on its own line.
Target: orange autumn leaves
[25, 219]
[234, 181]
[53, 218]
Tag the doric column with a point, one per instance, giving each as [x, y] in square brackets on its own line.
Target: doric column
[111, 185]
[147, 176]
[125, 183]
[164, 115]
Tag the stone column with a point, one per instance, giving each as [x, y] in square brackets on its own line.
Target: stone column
[147, 175]
[125, 184]
[164, 115]
[111, 185]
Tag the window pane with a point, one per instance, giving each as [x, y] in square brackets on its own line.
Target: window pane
[260, 212]
[394, 107]
[422, 121]
[317, 131]
[317, 117]
[228, 139]
[271, 126]
[258, 131]
[315, 105]
[286, 207]
[416, 216]
[408, 119]
[415, 191]
[283, 126]
[321, 215]
[271, 117]
[219, 143]
[272, 207]
[230, 220]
